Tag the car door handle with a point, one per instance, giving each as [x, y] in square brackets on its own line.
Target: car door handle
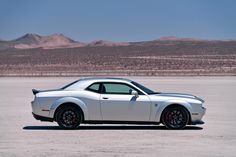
[104, 97]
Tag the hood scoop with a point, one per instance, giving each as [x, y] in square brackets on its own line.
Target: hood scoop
[177, 95]
[180, 95]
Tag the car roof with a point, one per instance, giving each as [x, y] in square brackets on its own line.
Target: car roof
[104, 79]
[84, 82]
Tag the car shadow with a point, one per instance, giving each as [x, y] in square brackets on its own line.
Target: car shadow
[106, 127]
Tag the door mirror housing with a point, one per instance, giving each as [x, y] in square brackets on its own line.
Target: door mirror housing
[135, 93]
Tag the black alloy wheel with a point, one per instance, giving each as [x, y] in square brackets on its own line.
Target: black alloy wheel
[175, 117]
[68, 117]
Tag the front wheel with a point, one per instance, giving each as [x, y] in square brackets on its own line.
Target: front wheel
[68, 117]
[175, 117]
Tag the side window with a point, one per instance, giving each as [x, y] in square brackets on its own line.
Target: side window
[116, 88]
[94, 87]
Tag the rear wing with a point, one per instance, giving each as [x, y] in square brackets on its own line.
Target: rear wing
[35, 91]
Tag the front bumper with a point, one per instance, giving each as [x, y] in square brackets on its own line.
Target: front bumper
[42, 118]
[196, 122]
[196, 117]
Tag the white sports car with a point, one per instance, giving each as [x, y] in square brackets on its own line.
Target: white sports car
[115, 101]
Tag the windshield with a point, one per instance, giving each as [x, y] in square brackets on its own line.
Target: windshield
[145, 89]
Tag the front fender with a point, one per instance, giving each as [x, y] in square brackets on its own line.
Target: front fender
[73, 100]
[165, 104]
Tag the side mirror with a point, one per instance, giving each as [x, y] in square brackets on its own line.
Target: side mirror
[135, 93]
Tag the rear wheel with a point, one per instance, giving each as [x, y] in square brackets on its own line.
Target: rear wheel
[69, 117]
[175, 117]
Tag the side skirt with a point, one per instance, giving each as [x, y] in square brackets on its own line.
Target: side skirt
[120, 122]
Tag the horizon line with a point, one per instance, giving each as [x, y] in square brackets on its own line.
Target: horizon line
[158, 38]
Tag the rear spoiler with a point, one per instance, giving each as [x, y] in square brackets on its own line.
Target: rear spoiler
[35, 91]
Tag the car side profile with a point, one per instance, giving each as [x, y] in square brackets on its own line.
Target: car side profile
[115, 101]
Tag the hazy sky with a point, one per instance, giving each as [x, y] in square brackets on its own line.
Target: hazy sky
[119, 20]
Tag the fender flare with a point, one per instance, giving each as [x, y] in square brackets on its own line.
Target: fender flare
[73, 100]
[171, 102]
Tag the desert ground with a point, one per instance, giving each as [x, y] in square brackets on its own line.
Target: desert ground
[21, 135]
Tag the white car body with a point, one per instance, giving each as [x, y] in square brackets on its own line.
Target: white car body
[98, 107]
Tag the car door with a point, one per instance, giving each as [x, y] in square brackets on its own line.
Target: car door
[117, 103]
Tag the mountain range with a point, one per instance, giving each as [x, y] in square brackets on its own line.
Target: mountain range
[54, 41]
[57, 41]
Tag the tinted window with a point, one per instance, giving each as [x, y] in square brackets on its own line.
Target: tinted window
[116, 88]
[94, 87]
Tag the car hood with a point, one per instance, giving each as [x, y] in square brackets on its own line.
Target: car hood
[179, 95]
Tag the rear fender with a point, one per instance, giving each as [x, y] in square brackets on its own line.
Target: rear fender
[73, 100]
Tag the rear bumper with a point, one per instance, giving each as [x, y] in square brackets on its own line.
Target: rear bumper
[42, 118]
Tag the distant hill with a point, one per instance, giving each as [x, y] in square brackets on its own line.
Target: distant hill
[107, 43]
[174, 38]
[58, 41]
[54, 41]
[30, 41]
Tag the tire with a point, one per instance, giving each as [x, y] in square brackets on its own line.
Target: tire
[175, 117]
[69, 117]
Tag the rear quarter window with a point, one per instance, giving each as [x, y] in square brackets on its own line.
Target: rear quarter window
[93, 88]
